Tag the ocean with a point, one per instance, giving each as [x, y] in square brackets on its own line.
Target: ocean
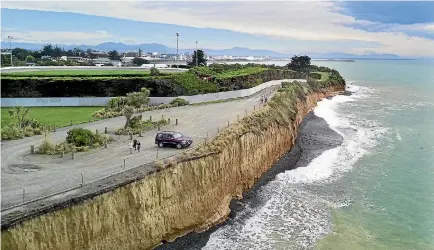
[375, 190]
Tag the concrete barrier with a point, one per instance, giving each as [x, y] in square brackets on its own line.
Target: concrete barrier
[101, 101]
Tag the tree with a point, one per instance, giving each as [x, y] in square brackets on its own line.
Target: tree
[77, 52]
[138, 99]
[47, 50]
[114, 55]
[300, 64]
[36, 54]
[139, 61]
[69, 53]
[128, 112]
[57, 52]
[30, 58]
[200, 58]
[133, 100]
[89, 54]
[20, 53]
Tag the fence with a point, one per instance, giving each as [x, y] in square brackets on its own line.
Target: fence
[81, 176]
[101, 101]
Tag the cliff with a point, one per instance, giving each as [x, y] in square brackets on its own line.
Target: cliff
[188, 193]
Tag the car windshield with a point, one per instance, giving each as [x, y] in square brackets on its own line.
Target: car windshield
[177, 135]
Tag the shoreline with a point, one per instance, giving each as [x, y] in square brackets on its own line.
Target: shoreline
[313, 138]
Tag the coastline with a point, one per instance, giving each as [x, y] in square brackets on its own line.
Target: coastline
[314, 137]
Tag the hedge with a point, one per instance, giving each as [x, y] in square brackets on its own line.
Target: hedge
[169, 85]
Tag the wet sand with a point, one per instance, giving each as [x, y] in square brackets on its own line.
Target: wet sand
[314, 137]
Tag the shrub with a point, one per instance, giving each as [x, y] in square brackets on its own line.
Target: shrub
[82, 137]
[47, 147]
[11, 133]
[179, 102]
[155, 71]
[37, 131]
[135, 122]
[28, 131]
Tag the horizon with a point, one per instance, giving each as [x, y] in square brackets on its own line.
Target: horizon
[215, 53]
[288, 27]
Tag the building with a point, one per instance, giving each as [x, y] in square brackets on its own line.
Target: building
[74, 58]
[99, 54]
[104, 61]
[132, 54]
[127, 60]
[156, 65]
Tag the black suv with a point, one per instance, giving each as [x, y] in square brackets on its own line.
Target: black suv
[172, 138]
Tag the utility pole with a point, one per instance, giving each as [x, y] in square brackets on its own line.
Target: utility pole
[10, 47]
[197, 63]
[177, 53]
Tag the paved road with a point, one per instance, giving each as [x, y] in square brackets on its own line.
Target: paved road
[40, 175]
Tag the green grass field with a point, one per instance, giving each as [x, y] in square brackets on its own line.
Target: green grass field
[59, 116]
[79, 72]
[241, 72]
[324, 75]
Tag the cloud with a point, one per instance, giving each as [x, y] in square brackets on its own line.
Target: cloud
[64, 37]
[304, 21]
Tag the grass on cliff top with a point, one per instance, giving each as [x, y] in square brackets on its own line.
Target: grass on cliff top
[59, 116]
[282, 109]
[324, 75]
[241, 72]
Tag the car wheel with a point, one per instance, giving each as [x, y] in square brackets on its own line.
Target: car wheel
[160, 145]
[178, 146]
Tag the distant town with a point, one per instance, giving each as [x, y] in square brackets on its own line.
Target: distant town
[51, 55]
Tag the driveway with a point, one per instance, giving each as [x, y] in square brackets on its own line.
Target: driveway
[28, 176]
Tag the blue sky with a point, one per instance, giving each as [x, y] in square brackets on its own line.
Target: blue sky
[402, 28]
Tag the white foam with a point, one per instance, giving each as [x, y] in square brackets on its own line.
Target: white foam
[398, 136]
[293, 217]
[318, 169]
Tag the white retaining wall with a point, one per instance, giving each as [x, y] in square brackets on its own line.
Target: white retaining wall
[101, 101]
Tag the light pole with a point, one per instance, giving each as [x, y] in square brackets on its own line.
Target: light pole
[197, 63]
[10, 47]
[177, 53]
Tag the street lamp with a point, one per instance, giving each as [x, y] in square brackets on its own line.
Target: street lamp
[196, 55]
[177, 53]
[10, 47]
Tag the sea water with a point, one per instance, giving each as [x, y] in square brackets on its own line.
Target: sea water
[375, 191]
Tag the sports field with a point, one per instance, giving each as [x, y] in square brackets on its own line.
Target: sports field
[59, 116]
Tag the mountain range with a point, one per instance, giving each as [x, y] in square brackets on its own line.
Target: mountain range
[235, 51]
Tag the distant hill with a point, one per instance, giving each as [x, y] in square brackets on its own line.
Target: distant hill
[235, 51]
[340, 55]
[150, 47]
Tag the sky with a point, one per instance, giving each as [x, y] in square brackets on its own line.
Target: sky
[400, 28]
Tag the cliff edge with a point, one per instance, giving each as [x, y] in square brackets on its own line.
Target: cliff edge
[191, 192]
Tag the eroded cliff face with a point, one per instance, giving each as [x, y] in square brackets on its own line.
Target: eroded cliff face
[192, 195]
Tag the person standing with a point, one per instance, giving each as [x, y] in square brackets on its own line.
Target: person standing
[131, 147]
[138, 146]
[134, 143]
